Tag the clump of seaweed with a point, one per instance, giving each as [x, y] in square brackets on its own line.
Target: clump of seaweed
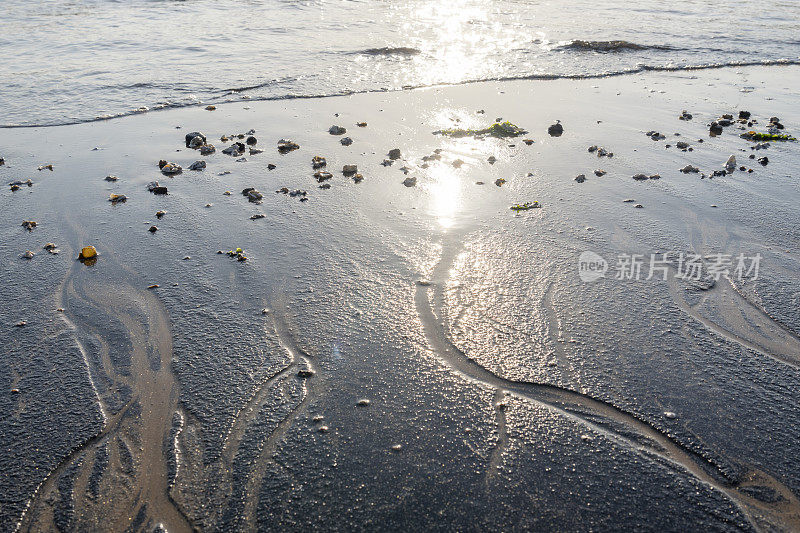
[756, 136]
[498, 129]
[525, 206]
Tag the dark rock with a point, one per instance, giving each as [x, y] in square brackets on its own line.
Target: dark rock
[251, 141]
[763, 160]
[192, 135]
[394, 153]
[744, 115]
[580, 178]
[555, 130]
[197, 165]
[715, 129]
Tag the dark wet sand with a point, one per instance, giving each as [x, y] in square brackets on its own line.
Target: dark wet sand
[504, 393]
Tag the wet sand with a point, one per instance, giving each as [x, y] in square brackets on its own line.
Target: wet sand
[503, 391]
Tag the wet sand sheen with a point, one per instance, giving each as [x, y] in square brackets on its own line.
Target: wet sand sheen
[763, 516]
[154, 395]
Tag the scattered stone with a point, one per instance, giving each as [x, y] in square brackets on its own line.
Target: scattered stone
[638, 206]
[271, 167]
[763, 160]
[685, 115]
[160, 214]
[207, 149]
[242, 160]
[20, 324]
[358, 178]
[234, 150]
[628, 200]
[394, 153]
[211, 108]
[656, 136]
[111, 178]
[655, 176]
[744, 115]
[155, 188]
[322, 175]
[337, 130]
[670, 414]
[323, 429]
[492, 160]
[580, 178]
[410, 181]
[318, 162]
[346, 141]
[361, 124]
[51, 248]
[457, 163]
[28, 255]
[499, 182]
[397, 448]
[28, 224]
[285, 146]
[305, 373]
[195, 138]
[46, 167]
[153, 286]
[257, 216]
[640, 177]
[153, 229]
[690, 169]
[349, 169]
[255, 151]
[387, 162]
[682, 145]
[197, 165]
[88, 252]
[325, 186]
[14, 187]
[599, 173]
[593, 148]
[254, 196]
[555, 130]
[730, 164]
[363, 402]
[117, 198]
[251, 141]
[171, 168]
[528, 141]
[715, 129]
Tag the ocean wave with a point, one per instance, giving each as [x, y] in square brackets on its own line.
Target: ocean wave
[232, 95]
[404, 51]
[609, 46]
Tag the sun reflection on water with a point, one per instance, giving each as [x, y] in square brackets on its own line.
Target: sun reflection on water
[445, 194]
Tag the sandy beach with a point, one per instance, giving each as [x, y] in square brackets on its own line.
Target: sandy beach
[405, 351]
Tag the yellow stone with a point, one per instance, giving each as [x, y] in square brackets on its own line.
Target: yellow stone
[88, 252]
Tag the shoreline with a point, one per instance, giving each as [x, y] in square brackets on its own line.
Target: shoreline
[785, 62]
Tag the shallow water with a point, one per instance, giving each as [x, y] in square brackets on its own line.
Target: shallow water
[74, 60]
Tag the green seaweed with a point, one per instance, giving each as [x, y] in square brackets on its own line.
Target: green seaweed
[755, 136]
[525, 206]
[498, 129]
